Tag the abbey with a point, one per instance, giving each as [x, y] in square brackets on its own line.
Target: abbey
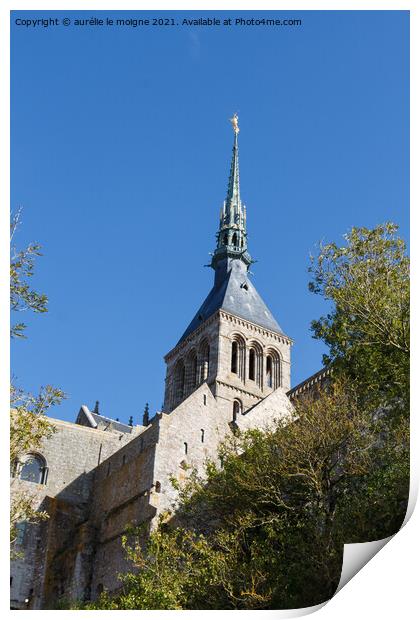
[229, 371]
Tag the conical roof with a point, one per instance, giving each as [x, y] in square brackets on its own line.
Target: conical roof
[237, 295]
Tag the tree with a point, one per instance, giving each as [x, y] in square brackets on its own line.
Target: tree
[264, 532]
[367, 333]
[367, 329]
[22, 263]
[28, 424]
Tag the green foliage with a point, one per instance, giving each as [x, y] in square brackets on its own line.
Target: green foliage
[28, 428]
[367, 329]
[28, 424]
[267, 530]
[22, 296]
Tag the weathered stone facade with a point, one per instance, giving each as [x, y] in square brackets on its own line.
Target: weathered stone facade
[229, 371]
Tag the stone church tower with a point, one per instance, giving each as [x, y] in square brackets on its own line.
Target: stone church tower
[233, 343]
[230, 371]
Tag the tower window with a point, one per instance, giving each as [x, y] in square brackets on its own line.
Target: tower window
[269, 371]
[251, 373]
[225, 240]
[235, 239]
[234, 359]
[205, 360]
[195, 371]
[179, 380]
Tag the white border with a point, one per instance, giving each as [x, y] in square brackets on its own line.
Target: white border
[387, 587]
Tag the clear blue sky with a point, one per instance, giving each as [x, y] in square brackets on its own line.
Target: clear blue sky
[120, 157]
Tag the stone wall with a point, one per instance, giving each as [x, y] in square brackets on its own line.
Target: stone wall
[72, 453]
[121, 497]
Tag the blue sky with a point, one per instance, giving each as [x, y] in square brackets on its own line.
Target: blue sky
[120, 157]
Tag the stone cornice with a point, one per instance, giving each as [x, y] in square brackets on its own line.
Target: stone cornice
[240, 390]
[190, 337]
[263, 331]
[232, 318]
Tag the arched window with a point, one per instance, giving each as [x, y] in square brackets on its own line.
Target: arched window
[235, 239]
[273, 369]
[234, 358]
[269, 371]
[34, 469]
[191, 372]
[237, 409]
[225, 240]
[237, 356]
[204, 360]
[251, 370]
[195, 371]
[255, 363]
[179, 380]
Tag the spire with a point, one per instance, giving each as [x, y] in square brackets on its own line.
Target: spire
[146, 415]
[232, 236]
[233, 197]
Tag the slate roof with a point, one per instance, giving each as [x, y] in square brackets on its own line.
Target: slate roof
[116, 425]
[94, 419]
[237, 295]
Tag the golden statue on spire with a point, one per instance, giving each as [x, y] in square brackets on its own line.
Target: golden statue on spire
[234, 121]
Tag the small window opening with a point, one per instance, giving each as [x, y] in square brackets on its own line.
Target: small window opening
[252, 365]
[185, 447]
[269, 371]
[235, 240]
[205, 399]
[206, 362]
[234, 358]
[237, 410]
[195, 371]
[202, 435]
[157, 487]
